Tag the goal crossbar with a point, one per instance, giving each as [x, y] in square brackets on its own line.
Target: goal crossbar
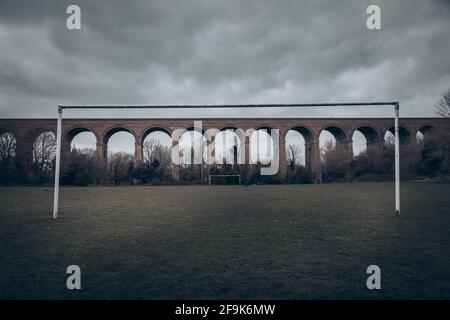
[227, 106]
[395, 104]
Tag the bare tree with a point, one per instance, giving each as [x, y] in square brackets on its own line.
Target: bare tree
[335, 163]
[443, 106]
[44, 151]
[119, 165]
[155, 151]
[293, 155]
[149, 150]
[8, 172]
[7, 147]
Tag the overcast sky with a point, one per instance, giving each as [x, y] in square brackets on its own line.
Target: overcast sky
[193, 52]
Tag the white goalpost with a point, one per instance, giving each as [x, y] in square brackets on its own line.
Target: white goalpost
[395, 104]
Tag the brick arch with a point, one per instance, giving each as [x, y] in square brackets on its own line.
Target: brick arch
[228, 126]
[152, 129]
[114, 129]
[371, 134]
[225, 127]
[5, 131]
[32, 134]
[427, 131]
[305, 131]
[192, 128]
[15, 137]
[27, 144]
[339, 134]
[268, 127]
[404, 133]
[73, 131]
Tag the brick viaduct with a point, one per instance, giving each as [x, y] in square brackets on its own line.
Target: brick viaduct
[374, 129]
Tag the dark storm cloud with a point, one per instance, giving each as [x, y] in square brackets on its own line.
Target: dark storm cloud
[222, 52]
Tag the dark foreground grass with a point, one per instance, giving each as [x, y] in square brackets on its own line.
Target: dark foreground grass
[277, 242]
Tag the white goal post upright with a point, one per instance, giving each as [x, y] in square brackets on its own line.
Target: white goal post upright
[397, 160]
[57, 164]
[395, 104]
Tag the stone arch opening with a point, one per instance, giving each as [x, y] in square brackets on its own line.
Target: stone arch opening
[371, 134]
[337, 133]
[195, 129]
[34, 133]
[261, 146]
[296, 140]
[336, 154]
[155, 130]
[81, 139]
[425, 132]
[404, 135]
[227, 146]
[192, 143]
[193, 150]
[330, 136]
[112, 131]
[156, 147]
[362, 138]
[119, 140]
[8, 144]
[119, 147]
[44, 152]
[8, 168]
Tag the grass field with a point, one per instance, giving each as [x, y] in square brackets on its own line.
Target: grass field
[277, 242]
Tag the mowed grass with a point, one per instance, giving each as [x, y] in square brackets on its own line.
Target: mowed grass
[226, 242]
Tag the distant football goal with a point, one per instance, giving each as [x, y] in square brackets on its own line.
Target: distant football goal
[224, 179]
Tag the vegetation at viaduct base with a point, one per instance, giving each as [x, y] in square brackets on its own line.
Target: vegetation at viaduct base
[424, 159]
